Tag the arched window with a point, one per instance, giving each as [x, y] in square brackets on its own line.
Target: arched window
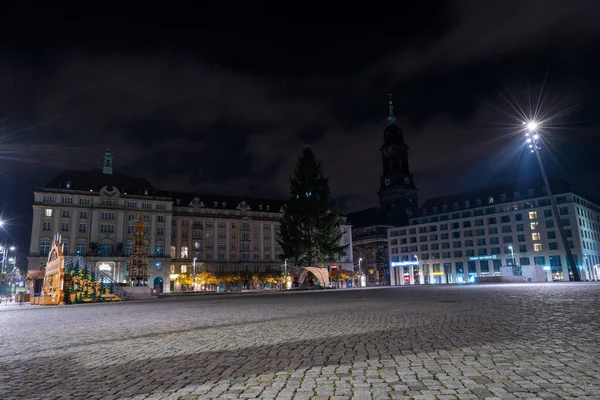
[44, 248]
[160, 250]
[106, 249]
[184, 252]
[65, 248]
[128, 249]
[173, 252]
[81, 249]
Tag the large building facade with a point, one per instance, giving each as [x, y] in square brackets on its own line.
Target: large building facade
[398, 201]
[468, 236]
[96, 211]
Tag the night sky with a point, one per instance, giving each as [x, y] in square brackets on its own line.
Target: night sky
[197, 100]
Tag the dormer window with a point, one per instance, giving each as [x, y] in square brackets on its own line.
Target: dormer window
[224, 204]
[216, 204]
[268, 208]
[68, 184]
[146, 192]
[178, 201]
[260, 207]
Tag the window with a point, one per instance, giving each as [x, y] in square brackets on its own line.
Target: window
[160, 250]
[520, 228]
[505, 218]
[161, 206]
[160, 230]
[46, 226]
[64, 227]
[563, 211]
[221, 224]
[532, 214]
[523, 248]
[147, 205]
[107, 202]
[491, 200]
[537, 247]
[107, 228]
[521, 238]
[540, 260]
[524, 261]
[466, 224]
[553, 246]
[48, 212]
[184, 252]
[506, 229]
[84, 202]
[507, 239]
[173, 252]
[518, 217]
[66, 214]
[533, 225]
[80, 250]
[232, 256]
[67, 200]
[535, 236]
[82, 227]
[44, 248]
[565, 221]
[184, 269]
[551, 235]
[106, 249]
[49, 199]
[493, 230]
[494, 240]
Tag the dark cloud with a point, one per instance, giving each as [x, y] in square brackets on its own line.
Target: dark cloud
[229, 113]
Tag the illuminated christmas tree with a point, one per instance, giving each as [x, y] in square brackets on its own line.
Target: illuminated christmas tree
[138, 263]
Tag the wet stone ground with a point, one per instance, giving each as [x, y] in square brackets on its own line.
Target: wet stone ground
[521, 341]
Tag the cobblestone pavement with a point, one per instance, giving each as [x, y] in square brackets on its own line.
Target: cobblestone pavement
[447, 342]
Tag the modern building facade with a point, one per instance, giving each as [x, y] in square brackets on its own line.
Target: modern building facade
[96, 212]
[468, 236]
[398, 201]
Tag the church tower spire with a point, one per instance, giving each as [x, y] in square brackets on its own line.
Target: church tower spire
[391, 117]
[107, 165]
[397, 191]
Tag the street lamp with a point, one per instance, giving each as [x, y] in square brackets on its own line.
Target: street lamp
[194, 277]
[533, 138]
[512, 256]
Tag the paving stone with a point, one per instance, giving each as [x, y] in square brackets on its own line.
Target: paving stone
[431, 342]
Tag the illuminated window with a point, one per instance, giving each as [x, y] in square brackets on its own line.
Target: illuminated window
[535, 236]
[173, 252]
[183, 269]
[537, 247]
[48, 212]
[184, 252]
[532, 214]
[533, 225]
[172, 269]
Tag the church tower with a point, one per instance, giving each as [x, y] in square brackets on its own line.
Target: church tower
[397, 190]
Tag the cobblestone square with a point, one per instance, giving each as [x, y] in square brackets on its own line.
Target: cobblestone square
[520, 341]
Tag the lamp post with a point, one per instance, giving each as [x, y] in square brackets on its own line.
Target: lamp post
[532, 137]
[512, 255]
[194, 277]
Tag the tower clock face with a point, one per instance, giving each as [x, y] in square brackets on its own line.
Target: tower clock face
[387, 182]
[406, 180]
